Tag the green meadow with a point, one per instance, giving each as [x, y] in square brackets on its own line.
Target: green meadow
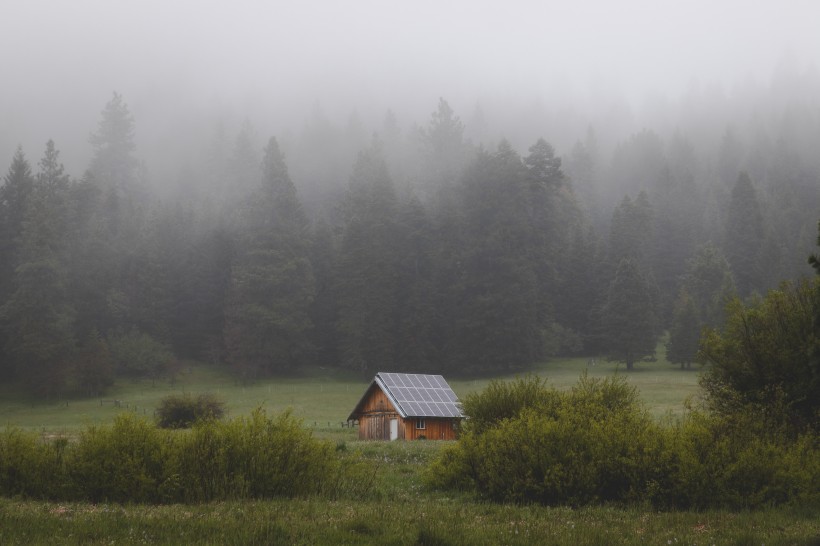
[399, 509]
[322, 398]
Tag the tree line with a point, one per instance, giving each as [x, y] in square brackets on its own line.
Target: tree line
[438, 255]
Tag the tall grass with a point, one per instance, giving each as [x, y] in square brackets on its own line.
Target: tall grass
[449, 521]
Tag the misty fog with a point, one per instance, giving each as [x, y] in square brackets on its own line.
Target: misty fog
[403, 178]
[535, 68]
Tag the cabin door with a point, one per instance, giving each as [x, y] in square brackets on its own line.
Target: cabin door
[394, 429]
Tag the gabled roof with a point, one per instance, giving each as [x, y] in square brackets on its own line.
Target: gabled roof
[415, 395]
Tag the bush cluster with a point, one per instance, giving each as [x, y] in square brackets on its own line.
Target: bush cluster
[183, 410]
[133, 460]
[596, 443]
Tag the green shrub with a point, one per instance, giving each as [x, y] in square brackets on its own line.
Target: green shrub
[182, 411]
[135, 461]
[596, 443]
[120, 463]
[258, 457]
[502, 400]
[733, 463]
[592, 444]
[30, 467]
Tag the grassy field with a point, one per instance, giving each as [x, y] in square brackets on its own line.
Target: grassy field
[323, 398]
[400, 509]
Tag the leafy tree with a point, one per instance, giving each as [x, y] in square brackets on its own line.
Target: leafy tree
[763, 360]
[628, 317]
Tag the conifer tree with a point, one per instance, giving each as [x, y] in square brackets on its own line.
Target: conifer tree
[369, 267]
[113, 164]
[272, 286]
[684, 335]
[15, 197]
[628, 319]
[38, 318]
[745, 235]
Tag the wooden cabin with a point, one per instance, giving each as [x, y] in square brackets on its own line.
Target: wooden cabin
[398, 406]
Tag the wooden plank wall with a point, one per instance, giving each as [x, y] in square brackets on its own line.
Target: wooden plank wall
[377, 411]
[435, 429]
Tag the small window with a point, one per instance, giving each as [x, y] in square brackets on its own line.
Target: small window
[420, 425]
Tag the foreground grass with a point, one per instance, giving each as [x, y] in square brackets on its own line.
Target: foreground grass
[427, 520]
[398, 511]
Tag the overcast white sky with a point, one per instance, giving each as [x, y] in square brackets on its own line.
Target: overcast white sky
[61, 60]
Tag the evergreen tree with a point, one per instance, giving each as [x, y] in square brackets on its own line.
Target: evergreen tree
[267, 319]
[198, 321]
[38, 318]
[244, 162]
[745, 235]
[15, 197]
[627, 318]
[445, 154]
[500, 310]
[684, 335]
[708, 281]
[580, 290]
[113, 164]
[94, 365]
[323, 311]
[369, 269]
[417, 297]
[631, 230]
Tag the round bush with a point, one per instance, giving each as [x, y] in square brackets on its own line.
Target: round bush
[182, 411]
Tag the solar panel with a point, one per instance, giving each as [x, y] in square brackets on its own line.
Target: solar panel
[422, 395]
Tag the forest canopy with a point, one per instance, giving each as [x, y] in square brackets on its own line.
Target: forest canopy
[429, 247]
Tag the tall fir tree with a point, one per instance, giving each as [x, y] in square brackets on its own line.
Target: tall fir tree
[684, 334]
[267, 323]
[15, 197]
[708, 281]
[38, 318]
[113, 163]
[629, 327]
[499, 310]
[369, 267]
[744, 237]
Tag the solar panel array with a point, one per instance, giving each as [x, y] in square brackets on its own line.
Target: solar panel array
[422, 395]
